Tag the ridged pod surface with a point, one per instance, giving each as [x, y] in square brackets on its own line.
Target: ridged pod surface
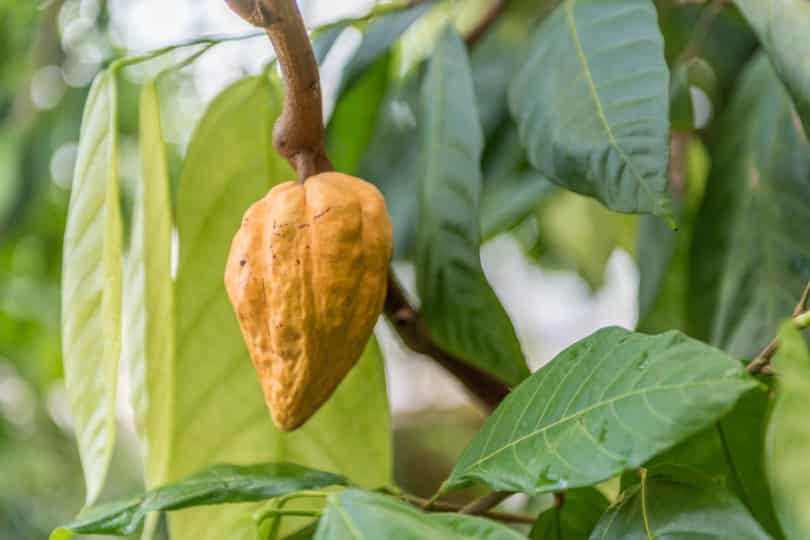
[307, 276]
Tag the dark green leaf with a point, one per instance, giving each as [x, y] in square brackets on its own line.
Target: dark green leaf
[607, 403]
[352, 123]
[381, 33]
[575, 520]
[750, 259]
[674, 509]
[354, 514]
[217, 484]
[507, 201]
[788, 440]
[91, 284]
[391, 158]
[592, 103]
[461, 309]
[783, 26]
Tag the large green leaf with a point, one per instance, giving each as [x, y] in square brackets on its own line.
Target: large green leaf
[217, 484]
[353, 515]
[607, 403]
[91, 284]
[461, 309]
[788, 441]
[149, 296]
[675, 509]
[219, 414]
[782, 27]
[508, 200]
[592, 103]
[575, 519]
[750, 259]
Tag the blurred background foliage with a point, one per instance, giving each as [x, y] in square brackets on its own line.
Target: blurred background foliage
[49, 53]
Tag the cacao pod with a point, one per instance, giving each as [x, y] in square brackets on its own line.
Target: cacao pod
[307, 276]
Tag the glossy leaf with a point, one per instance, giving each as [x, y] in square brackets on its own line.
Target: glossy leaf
[607, 403]
[91, 285]
[750, 259]
[591, 103]
[782, 27]
[676, 509]
[217, 398]
[148, 350]
[575, 520]
[217, 484]
[461, 309]
[788, 440]
[354, 514]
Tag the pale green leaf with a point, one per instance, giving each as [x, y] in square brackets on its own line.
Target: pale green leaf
[782, 27]
[149, 296]
[750, 259]
[788, 440]
[464, 314]
[607, 403]
[592, 103]
[356, 515]
[91, 285]
[219, 413]
[677, 509]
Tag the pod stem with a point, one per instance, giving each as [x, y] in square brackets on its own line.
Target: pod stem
[298, 134]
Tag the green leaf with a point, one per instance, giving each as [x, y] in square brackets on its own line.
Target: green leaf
[574, 520]
[217, 399]
[217, 484]
[788, 440]
[673, 508]
[782, 27]
[508, 200]
[592, 103]
[91, 285]
[607, 403]
[148, 313]
[381, 33]
[352, 123]
[354, 514]
[461, 309]
[656, 248]
[323, 40]
[750, 260]
[391, 160]
[730, 453]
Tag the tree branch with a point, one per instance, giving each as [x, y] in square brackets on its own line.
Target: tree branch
[801, 320]
[486, 503]
[298, 134]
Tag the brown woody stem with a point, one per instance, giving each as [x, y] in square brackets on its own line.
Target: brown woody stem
[298, 134]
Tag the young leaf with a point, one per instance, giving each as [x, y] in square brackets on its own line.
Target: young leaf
[788, 440]
[749, 260]
[607, 403]
[91, 285]
[574, 520]
[591, 103]
[462, 310]
[217, 399]
[360, 514]
[782, 26]
[667, 508]
[148, 312]
[217, 484]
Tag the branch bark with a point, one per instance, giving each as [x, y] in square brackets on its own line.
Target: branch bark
[299, 133]
[299, 136]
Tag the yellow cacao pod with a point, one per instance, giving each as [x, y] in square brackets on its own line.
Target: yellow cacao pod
[307, 275]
